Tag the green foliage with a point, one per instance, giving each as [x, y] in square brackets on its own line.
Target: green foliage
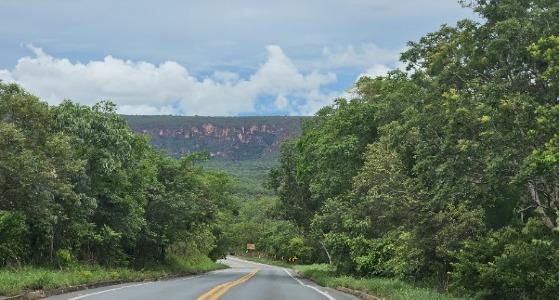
[392, 255]
[392, 289]
[37, 170]
[248, 176]
[511, 264]
[13, 243]
[191, 264]
[17, 280]
[321, 163]
[431, 175]
[64, 258]
[255, 223]
[298, 249]
[76, 184]
[547, 50]
[107, 244]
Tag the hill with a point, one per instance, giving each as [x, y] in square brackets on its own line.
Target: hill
[227, 138]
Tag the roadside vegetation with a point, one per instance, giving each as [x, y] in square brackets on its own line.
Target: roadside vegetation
[18, 280]
[80, 193]
[445, 175]
[385, 288]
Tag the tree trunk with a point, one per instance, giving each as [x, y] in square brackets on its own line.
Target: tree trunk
[327, 253]
[540, 209]
[51, 250]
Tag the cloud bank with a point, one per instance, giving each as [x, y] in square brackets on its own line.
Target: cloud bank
[366, 55]
[168, 88]
[208, 57]
[140, 87]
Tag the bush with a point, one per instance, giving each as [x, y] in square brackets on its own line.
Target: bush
[510, 264]
[339, 246]
[13, 231]
[108, 243]
[385, 288]
[372, 257]
[392, 255]
[299, 249]
[64, 258]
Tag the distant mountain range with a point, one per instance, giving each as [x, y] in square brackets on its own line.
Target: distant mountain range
[228, 138]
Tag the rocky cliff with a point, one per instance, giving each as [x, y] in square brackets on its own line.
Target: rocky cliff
[231, 138]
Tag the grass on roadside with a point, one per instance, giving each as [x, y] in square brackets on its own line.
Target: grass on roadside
[16, 281]
[385, 288]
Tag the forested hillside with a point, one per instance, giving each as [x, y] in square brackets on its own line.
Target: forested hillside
[446, 174]
[243, 147]
[228, 138]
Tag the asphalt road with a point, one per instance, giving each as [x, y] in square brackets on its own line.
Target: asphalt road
[244, 280]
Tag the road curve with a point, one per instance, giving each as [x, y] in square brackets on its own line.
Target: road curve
[244, 280]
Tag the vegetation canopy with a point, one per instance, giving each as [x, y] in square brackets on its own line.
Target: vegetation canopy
[76, 184]
[446, 174]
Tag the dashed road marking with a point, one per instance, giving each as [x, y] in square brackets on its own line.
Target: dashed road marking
[221, 289]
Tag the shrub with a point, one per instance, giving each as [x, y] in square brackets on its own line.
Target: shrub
[64, 258]
[110, 252]
[392, 255]
[298, 248]
[510, 264]
[13, 231]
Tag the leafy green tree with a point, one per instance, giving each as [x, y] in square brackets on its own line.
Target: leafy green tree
[77, 184]
[37, 167]
[461, 146]
[320, 164]
[510, 264]
[13, 243]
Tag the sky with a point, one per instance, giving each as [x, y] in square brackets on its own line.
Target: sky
[212, 57]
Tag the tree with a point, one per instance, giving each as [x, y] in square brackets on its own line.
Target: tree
[75, 181]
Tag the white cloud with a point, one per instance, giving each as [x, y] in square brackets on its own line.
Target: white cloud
[281, 102]
[376, 71]
[317, 100]
[225, 76]
[6, 76]
[194, 34]
[369, 59]
[140, 87]
[365, 55]
[146, 110]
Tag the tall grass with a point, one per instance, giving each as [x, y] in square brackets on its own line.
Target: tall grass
[385, 288]
[16, 281]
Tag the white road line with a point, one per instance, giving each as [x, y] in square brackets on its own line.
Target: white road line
[310, 286]
[192, 277]
[106, 291]
[123, 287]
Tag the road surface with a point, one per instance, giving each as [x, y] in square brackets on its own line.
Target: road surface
[244, 280]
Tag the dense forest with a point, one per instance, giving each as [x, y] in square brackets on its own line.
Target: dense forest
[446, 174]
[77, 185]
